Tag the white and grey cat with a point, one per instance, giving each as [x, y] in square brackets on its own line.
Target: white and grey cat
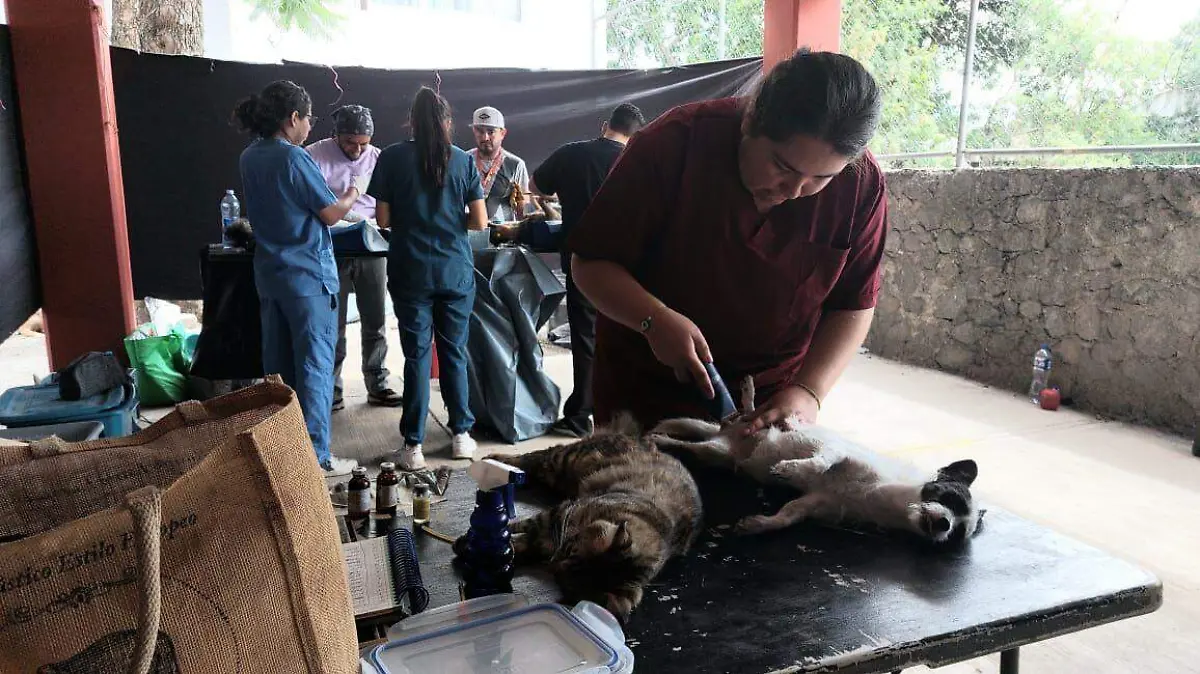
[839, 479]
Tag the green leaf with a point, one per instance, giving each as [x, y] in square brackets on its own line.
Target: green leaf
[314, 18]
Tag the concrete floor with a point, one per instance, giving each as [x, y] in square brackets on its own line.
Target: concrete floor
[1127, 490]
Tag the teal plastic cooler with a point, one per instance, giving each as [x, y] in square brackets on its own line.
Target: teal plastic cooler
[40, 405]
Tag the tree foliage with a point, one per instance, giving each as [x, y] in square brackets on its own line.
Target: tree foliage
[1047, 73]
[677, 32]
[315, 18]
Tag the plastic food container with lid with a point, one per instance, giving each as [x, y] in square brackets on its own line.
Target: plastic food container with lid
[501, 634]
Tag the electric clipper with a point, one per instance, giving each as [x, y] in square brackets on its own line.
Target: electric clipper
[723, 407]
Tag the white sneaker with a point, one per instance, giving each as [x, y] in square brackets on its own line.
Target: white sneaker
[411, 458]
[337, 466]
[463, 446]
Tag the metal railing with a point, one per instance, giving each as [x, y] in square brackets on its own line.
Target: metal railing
[961, 153]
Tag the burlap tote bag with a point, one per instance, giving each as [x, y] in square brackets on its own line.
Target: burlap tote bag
[205, 544]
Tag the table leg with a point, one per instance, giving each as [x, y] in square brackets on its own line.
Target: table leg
[1010, 661]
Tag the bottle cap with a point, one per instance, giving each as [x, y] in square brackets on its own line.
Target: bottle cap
[387, 466]
[359, 472]
[491, 475]
[421, 490]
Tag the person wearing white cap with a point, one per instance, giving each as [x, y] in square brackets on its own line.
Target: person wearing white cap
[499, 169]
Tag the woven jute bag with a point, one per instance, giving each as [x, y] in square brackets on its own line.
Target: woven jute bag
[205, 543]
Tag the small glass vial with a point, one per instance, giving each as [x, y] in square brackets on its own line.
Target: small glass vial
[420, 505]
[358, 495]
[387, 489]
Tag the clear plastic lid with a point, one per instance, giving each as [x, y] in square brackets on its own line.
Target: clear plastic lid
[542, 639]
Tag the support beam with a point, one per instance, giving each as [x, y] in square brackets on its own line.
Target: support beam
[69, 123]
[791, 24]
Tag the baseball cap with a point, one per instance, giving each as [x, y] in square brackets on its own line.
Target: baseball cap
[488, 116]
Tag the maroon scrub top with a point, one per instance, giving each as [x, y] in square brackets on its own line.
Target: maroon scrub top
[674, 212]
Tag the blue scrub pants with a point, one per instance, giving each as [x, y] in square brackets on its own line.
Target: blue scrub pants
[447, 315]
[299, 337]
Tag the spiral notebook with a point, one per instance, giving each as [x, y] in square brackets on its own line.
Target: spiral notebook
[384, 575]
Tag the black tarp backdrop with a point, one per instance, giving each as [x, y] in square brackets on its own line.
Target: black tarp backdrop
[20, 292]
[179, 153]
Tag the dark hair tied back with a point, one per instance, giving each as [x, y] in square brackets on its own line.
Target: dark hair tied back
[265, 112]
[825, 95]
[429, 118]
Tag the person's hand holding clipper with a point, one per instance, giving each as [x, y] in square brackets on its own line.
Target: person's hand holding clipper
[678, 344]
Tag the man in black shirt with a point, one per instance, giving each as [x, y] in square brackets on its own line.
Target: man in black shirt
[574, 172]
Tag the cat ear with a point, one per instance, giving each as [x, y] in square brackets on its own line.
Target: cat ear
[960, 471]
[622, 539]
[599, 536]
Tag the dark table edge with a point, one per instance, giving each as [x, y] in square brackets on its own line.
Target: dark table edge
[990, 638]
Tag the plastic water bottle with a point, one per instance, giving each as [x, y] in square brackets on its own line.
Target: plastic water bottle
[1042, 362]
[231, 209]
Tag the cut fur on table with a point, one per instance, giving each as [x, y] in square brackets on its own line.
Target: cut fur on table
[839, 479]
[628, 508]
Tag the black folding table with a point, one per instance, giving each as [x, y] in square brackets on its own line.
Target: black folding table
[817, 599]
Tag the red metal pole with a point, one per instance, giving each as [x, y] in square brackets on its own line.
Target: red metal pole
[791, 24]
[69, 123]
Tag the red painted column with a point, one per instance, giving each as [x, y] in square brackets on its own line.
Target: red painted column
[69, 123]
[791, 24]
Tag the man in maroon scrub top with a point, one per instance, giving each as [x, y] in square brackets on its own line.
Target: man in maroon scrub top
[743, 232]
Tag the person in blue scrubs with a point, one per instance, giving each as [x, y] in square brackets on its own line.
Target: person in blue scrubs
[291, 209]
[429, 193]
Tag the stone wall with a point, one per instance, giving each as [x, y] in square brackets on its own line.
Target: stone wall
[1104, 265]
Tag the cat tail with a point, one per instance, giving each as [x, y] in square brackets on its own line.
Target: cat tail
[563, 467]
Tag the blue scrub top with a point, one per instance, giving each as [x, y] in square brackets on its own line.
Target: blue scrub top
[284, 191]
[429, 249]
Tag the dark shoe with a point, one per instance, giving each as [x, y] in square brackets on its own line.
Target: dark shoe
[339, 404]
[384, 397]
[574, 427]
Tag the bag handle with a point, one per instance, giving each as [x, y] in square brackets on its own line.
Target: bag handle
[192, 411]
[145, 505]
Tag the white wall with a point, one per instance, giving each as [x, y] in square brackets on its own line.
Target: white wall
[552, 34]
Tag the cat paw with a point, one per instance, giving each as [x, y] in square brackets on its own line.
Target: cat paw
[791, 424]
[660, 440]
[460, 546]
[620, 606]
[788, 469]
[506, 459]
[755, 524]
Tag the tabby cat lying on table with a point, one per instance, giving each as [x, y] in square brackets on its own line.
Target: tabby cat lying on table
[628, 509]
[840, 480]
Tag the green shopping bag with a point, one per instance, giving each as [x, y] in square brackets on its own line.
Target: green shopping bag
[161, 365]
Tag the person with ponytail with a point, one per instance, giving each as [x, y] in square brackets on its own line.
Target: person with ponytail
[429, 193]
[291, 209]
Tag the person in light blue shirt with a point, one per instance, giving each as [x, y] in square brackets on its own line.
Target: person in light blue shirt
[429, 193]
[291, 209]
